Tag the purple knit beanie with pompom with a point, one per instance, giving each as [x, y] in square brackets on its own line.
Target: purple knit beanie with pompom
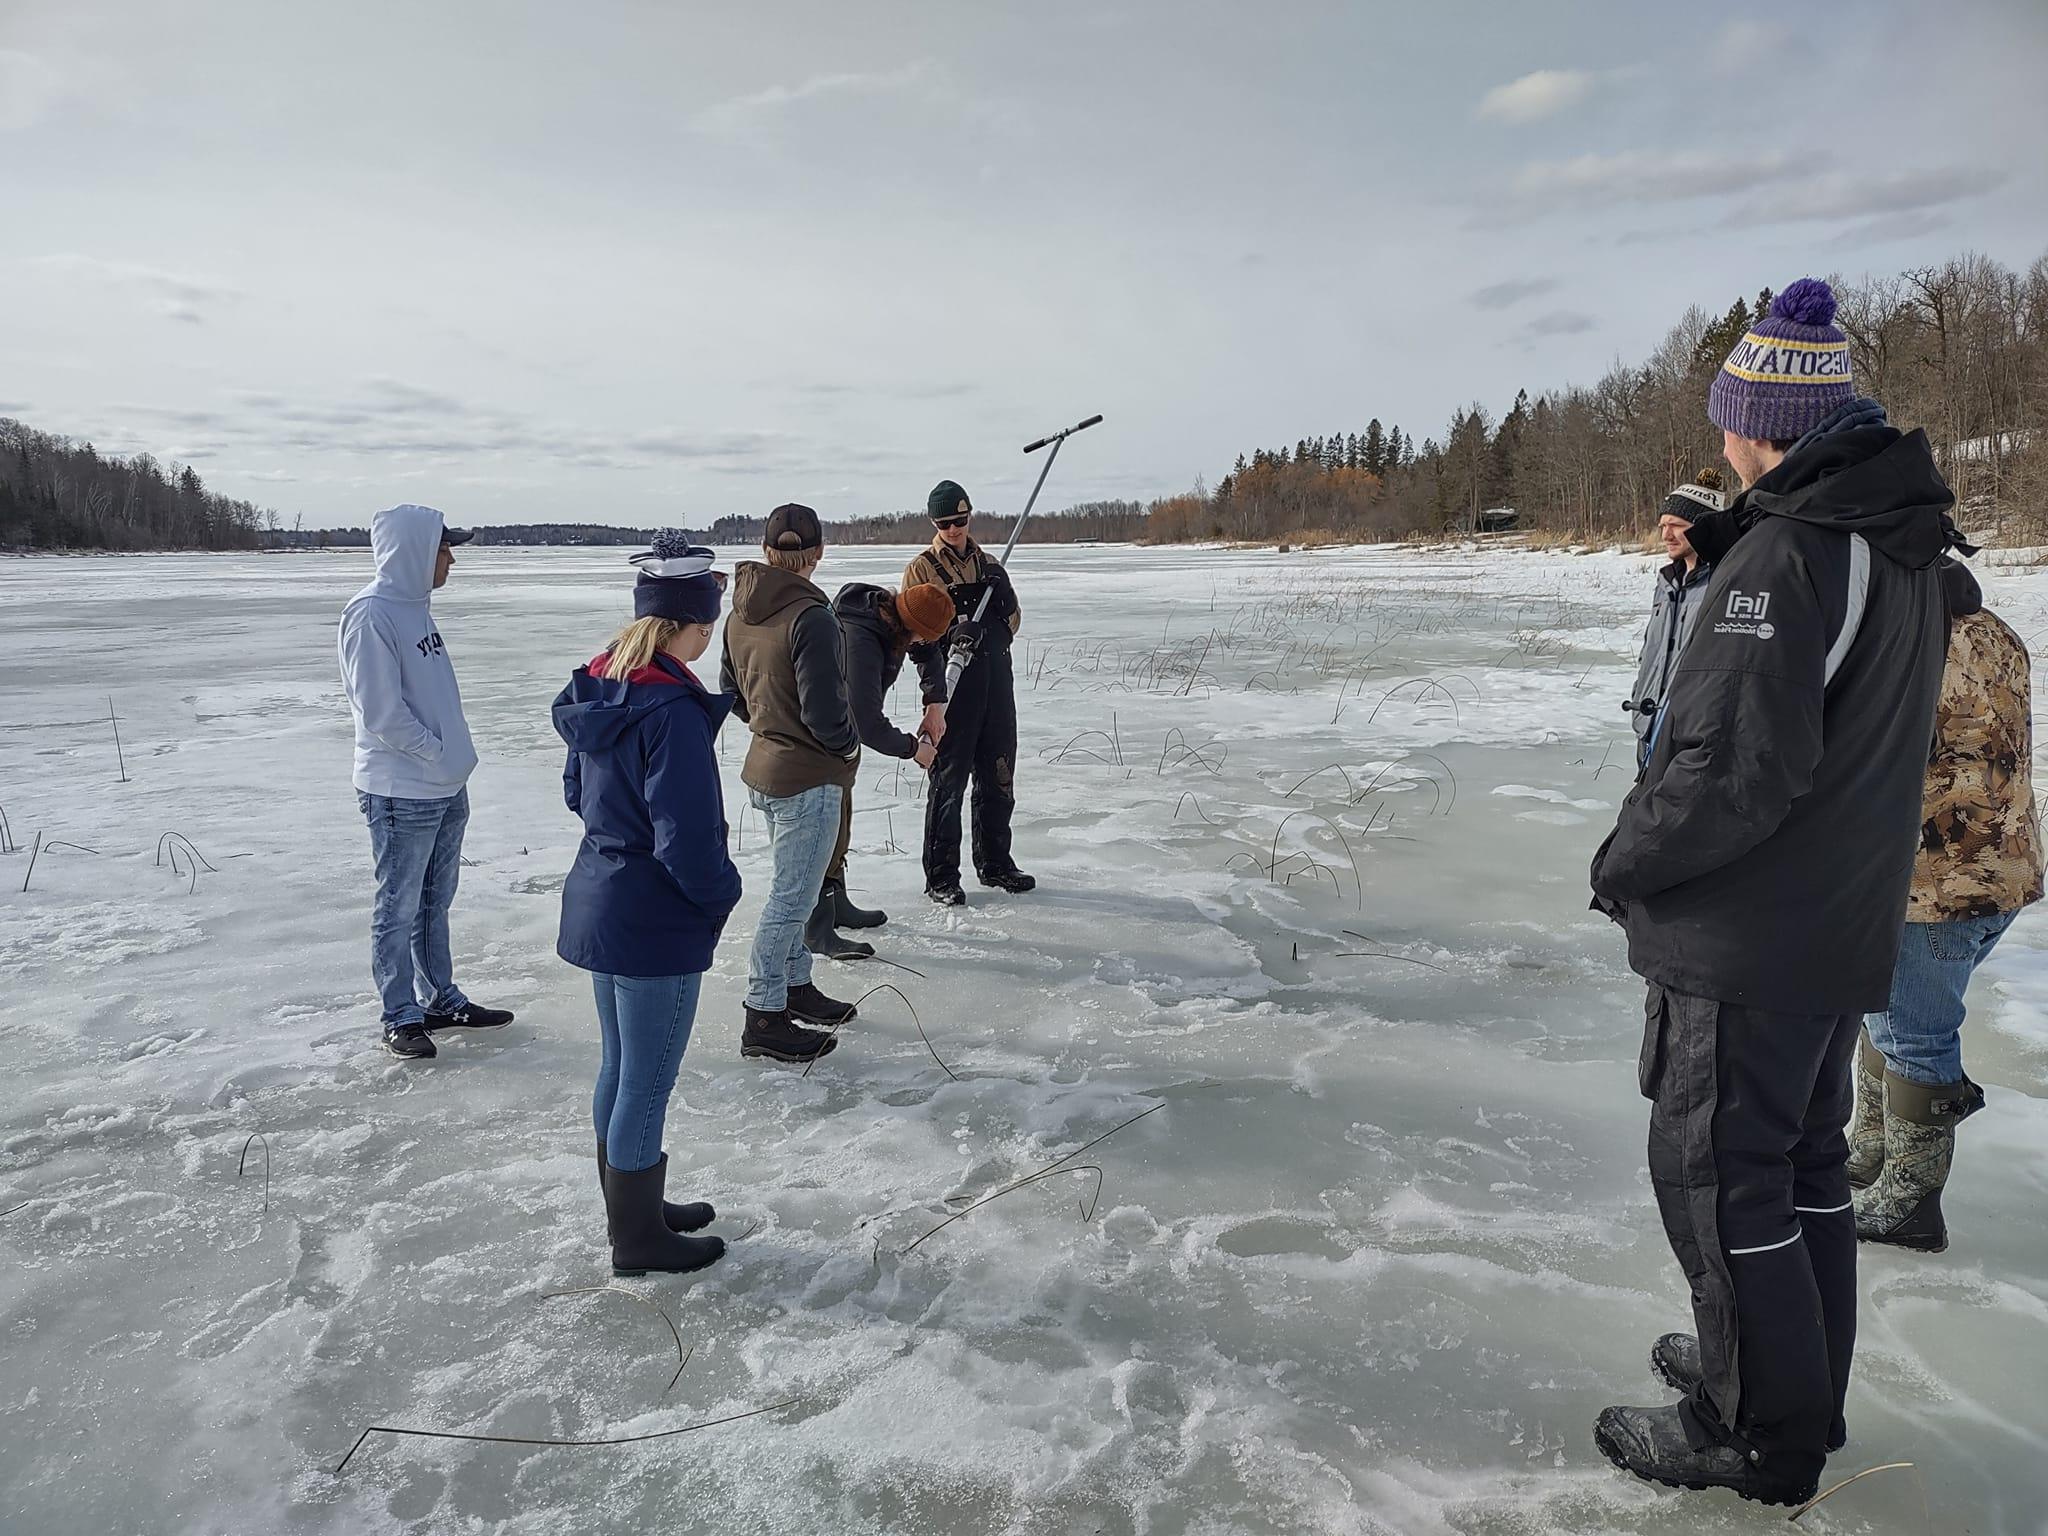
[1789, 372]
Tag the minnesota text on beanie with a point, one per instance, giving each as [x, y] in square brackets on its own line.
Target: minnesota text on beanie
[947, 500]
[1788, 372]
[676, 581]
[793, 526]
[926, 610]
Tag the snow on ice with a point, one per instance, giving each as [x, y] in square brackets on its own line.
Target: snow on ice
[1311, 832]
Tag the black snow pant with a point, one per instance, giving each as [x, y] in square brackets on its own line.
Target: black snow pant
[1749, 1162]
[980, 744]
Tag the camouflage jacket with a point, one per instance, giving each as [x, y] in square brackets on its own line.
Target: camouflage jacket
[1980, 843]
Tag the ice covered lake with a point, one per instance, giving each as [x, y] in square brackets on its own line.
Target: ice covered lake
[1311, 833]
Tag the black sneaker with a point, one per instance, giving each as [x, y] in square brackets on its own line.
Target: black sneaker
[1015, 881]
[469, 1016]
[773, 1035]
[1651, 1443]
[1676, 1360]
[411, 1040]
[947, 893]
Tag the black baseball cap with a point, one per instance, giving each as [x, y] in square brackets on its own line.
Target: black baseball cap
[456, 535]
[793, 527]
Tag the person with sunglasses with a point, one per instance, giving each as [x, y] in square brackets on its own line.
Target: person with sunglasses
[976, 730]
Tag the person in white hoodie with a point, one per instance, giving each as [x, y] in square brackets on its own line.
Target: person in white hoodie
[412, 766]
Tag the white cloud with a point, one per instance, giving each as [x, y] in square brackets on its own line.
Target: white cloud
[1542, 93]
[1742, 44]
[739, 113]
[29, 87]
[174, 295]
[1642, 175]
[1506, 295]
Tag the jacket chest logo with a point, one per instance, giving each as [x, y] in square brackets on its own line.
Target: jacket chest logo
[430, 645]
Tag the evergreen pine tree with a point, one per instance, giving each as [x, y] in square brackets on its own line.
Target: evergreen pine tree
[1372, 453]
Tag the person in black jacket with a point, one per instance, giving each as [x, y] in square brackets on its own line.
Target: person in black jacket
[876, 627]
[1760, 868]
[978, 741]
[651, 888]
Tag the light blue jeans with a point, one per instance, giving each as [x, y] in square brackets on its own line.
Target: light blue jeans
[644, 1024]
[1921, 1034]
[418, 849]
[802, 830]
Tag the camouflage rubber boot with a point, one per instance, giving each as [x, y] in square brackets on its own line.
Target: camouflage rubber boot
[1866, 1126]
[1903, 1207]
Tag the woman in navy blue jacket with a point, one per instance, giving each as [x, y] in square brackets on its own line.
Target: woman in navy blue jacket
[651, 887]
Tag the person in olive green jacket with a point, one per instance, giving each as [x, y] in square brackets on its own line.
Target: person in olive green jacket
[783, 665]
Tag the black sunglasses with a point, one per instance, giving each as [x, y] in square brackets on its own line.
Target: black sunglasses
[953, 522]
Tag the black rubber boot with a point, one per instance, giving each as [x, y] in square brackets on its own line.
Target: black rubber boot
[692, 1217]
[1651, 1443]
[821, 938]
[774, 1036]
[641, 1240]
[810, 1006]
[845, 914]
[1676, 1360]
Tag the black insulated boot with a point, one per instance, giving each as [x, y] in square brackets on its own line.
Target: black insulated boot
[1651, 1443]
[820, 938]
[691, 1217]
[1676, 1360]
[1015, 881]
[946, 893]
[810, 1006]
[641, 1240]
[845, 914]
[773, 1035]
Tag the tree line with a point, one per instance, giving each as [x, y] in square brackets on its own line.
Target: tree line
[57, 494]
[1960, 349]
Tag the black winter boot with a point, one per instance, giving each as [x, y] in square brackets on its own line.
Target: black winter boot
[641, 1240]
[821, 938]
[810, 1006]
[1015, 881]
[693, 1217]
[1651, 1443]
[774, 1036]
[946, 893]
[1676, 1360]
[845, 914]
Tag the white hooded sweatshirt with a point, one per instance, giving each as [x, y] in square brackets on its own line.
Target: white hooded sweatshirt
[411, 740]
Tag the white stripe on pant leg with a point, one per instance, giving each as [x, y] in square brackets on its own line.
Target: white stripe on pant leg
[1767, 1247]
[1823, 1210]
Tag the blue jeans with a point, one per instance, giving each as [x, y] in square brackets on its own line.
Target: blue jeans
[644, 1024]
[1921, 1034]
[418, 849]
[802, 830]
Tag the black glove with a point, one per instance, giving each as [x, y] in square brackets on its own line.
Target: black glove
[967, 639]
[1002, 601]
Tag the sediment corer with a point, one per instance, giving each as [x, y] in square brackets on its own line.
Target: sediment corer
[963, 644]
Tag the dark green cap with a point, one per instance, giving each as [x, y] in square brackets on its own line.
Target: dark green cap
[947, 500]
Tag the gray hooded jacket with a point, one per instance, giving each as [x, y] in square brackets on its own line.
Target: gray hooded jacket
[1673, 611]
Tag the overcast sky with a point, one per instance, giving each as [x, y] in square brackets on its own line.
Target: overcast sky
[648, 262]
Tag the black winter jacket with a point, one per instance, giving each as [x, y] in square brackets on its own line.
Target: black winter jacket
[874, 659]
[1764, 856]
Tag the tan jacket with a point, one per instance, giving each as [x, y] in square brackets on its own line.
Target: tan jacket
[1980, 844]
[939, 565]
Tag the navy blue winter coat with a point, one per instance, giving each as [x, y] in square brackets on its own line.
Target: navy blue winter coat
[652, 884]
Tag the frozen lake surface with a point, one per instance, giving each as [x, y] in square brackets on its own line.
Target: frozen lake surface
[1311, 833]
